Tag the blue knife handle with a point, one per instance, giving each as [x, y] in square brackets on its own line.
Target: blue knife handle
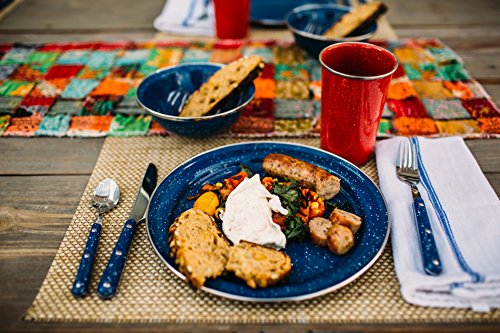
[82, 278]
[112, 273]
[428, 248]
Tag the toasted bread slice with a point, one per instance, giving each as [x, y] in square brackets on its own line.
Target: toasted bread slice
[350, 220]
[258, 265]
[220, 85]
[198, 246]
[358, 18]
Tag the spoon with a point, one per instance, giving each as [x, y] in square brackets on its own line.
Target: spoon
[106, 196]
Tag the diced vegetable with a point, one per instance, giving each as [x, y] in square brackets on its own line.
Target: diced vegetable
[207, 202]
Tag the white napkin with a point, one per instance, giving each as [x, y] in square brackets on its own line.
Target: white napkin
[186, 17]
[467, 231]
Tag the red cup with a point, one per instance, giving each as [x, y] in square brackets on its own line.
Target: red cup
[354, 82]
[231, 18]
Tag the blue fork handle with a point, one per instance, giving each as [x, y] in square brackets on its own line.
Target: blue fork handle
[82, 278]
[428, 248]
[112, 273]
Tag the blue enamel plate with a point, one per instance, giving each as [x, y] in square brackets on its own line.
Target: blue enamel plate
[316, 271]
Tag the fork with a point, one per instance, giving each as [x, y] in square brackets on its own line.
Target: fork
[407, 171]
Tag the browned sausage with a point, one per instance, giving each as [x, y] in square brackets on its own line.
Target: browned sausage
[339, 239]
[350, 220]
[307, 174]
[318, 228]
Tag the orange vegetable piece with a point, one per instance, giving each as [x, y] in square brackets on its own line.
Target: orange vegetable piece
[207, 202]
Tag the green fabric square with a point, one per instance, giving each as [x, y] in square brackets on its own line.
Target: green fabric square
[453, 72]
[43, 58]
[293, 109]
[66, 107]
[412, 72]
[74, 57]
[124, 125]
[101, 59]
[196, 55]
[56, 125]
[16, 55]
[15, 88]
[78, 89]
[133, 57]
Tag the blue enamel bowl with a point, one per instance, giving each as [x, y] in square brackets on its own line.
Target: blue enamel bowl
[163, 93]
[308, 23]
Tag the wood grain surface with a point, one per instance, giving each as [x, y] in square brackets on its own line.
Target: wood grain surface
[42, 179]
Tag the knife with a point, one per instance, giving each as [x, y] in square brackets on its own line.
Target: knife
[112, 273]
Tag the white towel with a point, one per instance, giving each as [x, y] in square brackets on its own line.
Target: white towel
[464, 212]
[187, 17]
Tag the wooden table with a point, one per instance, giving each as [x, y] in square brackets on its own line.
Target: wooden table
[42, 179]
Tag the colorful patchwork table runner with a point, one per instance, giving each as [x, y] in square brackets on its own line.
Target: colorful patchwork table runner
[88, 89]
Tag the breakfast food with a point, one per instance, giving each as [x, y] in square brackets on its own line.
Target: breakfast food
[248, 215]
[347, 219]
[308, 175]
[318, 229]
[257, 265]
[339, 239]
[358, 18]
[198, 246]
[220, 85]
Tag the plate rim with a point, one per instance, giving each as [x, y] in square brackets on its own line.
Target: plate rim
[274, 299]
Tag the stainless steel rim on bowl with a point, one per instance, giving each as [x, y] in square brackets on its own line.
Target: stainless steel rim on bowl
[188, 119]
[320, 37]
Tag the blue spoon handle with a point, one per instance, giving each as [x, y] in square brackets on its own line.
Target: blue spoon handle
[112, 273]
[82, 278]
[428, 248]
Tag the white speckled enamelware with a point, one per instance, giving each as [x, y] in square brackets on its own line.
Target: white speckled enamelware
[316, 270]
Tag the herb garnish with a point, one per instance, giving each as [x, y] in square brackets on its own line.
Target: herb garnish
[295, 228]
[290, 195]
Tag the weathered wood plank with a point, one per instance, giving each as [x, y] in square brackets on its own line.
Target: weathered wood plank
[442, 12]
[48, 156]
[82, 15]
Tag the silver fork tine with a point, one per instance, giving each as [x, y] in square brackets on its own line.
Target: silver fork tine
[414, 164]
[399, 161]
[406, 156]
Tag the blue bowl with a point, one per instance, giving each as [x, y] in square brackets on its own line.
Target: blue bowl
[163, 93]
[273, 12]
[308, 23]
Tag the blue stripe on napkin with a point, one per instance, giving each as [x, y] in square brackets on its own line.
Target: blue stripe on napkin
[443, 217]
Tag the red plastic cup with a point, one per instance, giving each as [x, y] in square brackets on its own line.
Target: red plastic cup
[231, 18]
[354, 82]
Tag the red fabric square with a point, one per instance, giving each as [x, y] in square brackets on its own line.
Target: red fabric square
[481, 108]
[63, 71]
[411, 107]
[38, 101]
[268, 72]
[400, 72]
[261, 108]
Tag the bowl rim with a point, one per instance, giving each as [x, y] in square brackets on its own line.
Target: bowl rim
[302, 8]
[190, 119]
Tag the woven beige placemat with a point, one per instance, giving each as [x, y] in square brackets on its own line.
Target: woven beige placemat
[149, 292]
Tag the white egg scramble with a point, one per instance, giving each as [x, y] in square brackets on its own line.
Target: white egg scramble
[248, 215]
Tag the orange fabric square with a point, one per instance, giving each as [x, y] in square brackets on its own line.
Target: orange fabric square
[225, 56]
[489, 125]
[90, 124]
[50, 88]
[265, 88]
[23, 126]
[432, 90]
[414, 126]
[401, 89]
[455, 127]
[459, 89]
[115, 87]
[413, 55]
